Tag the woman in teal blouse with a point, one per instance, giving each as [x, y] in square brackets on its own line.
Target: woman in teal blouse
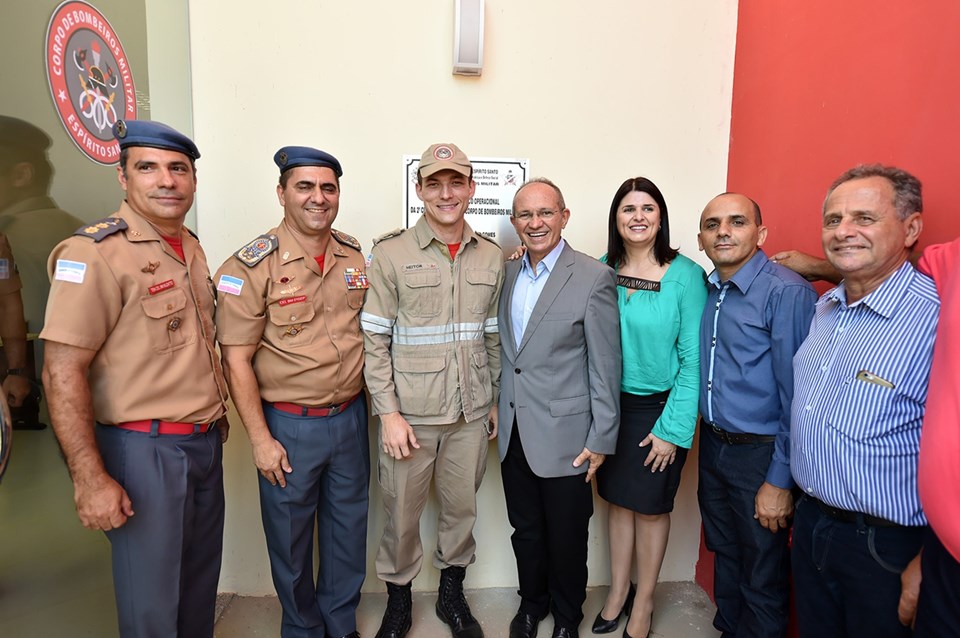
[661, 296]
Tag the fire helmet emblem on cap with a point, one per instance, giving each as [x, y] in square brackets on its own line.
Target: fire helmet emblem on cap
[443, 153]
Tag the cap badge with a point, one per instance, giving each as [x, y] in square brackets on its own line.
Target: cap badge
[443, 153]
[282, 158]
[121, 129]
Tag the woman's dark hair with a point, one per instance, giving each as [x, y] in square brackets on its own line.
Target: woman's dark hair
[616, 252]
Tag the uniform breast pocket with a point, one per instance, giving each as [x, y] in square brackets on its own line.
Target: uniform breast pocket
[169, 321]
[483, 283]
[292, 325]
[424, 298]
[355, 299]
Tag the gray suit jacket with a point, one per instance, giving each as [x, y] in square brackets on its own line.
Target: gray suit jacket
[563, 383]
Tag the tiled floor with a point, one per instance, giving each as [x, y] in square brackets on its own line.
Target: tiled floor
[55, 576]
[683, 611]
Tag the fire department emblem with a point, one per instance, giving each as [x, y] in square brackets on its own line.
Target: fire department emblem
[90, 78]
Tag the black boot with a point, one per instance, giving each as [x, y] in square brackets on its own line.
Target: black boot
[452, 606]
[396, 619]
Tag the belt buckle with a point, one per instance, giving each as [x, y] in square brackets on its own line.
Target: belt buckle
[723, 434]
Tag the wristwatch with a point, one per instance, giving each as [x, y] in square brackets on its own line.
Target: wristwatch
[19, 372]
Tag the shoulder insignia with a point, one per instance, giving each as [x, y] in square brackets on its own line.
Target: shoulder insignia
[396, 232]
[254, 252]
[102, 228]
[345, 239]
[195, 236]
[489, 239]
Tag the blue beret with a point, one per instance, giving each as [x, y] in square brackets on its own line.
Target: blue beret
[155, 135]
[292, 156]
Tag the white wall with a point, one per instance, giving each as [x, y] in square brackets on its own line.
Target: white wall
[591, 93]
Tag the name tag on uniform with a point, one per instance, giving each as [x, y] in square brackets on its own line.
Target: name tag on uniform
[72, 271]
[290, 300]
[356, 279]
[161, 287]
[230, 285]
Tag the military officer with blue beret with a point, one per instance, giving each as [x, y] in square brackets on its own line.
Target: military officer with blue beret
[288, 325]
[130, 346]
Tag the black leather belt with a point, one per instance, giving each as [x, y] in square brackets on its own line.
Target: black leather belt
[847, 516]
[740, 438]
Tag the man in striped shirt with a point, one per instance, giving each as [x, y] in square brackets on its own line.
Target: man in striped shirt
[860, 383]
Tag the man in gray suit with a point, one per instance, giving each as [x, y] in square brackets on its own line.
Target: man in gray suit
[559, 409]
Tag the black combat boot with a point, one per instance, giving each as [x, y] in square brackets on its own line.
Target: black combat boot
[452, 606]
[396, 619]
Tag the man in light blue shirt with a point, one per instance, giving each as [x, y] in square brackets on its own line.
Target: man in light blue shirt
[860, 384]
[530, 283]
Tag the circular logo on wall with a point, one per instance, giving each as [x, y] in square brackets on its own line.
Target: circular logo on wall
[90, 78]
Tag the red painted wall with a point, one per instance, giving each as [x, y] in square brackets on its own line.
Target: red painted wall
[823, 85]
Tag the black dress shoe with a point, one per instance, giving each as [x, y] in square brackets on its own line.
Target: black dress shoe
[525, 625]
[352, 634]
[649, 631]
[565, 632]
[603, 626]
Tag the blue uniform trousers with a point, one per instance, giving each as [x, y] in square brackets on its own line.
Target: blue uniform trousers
[166, 558]
[329, 484]
[751, 564]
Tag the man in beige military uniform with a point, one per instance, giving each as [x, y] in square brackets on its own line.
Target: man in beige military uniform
[130, 345]
[433, 369]
[288, 324]
[13, 332]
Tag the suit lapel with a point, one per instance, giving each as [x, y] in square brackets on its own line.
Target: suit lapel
[558, 278]
[506, 331]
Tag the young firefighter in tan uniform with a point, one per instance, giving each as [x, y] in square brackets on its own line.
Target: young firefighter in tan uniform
[433, 368]
[288, 324]
[130, 344]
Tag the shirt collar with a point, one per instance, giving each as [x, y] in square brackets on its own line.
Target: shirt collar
[885, 299]
[549, 261]
[424, 233]
[744, 277]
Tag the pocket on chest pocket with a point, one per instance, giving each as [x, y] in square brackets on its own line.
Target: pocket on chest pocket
[483, 283]
[424, 298]
[169, 326]
[292, 323]
[861, 408]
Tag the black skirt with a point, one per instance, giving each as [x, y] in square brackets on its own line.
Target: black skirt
[622, 479]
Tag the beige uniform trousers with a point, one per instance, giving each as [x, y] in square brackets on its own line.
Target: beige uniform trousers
[455, 457]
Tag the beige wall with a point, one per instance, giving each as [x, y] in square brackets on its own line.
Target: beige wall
[591, 93]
